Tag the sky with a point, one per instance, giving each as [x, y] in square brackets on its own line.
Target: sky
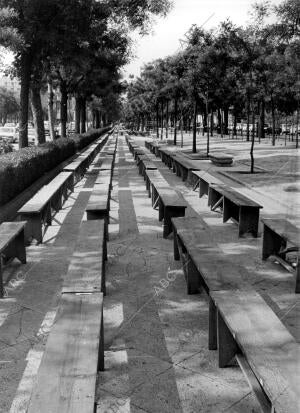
[169, 30]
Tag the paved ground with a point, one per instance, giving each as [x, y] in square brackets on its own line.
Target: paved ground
[155, 335]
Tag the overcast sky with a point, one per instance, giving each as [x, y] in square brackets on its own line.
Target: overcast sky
[168, 31]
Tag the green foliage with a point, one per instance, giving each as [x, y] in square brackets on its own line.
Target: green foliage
[20, 169]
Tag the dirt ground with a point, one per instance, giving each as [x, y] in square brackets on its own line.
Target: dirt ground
[156, 336]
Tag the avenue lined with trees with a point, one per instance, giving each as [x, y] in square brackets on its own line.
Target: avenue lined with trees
[77, 47]
[146, 264]
[251, 73]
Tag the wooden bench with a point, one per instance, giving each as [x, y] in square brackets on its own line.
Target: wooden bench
[170, 204]
[266, 352]
[37, 211]
[236, 206]
[138, 151]
[156, 181]
[220, 159]
[204, 180]
[86, 272]
[104, 178]
[152, 175]
[78, 166]
[183, 166]
[148, 144]
[204, 265]
[60, 186]
[98, 206]
[74, 353]
[279, 238]
[167, 157]
[144, 165]
[12, 245]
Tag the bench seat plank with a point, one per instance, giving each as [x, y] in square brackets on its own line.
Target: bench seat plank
[204, 179]
[8, 231]
[270, 349]
[37, 202]
[236, 197]
[86, 272]
[99, 199]
[171, 197]
[66, 380]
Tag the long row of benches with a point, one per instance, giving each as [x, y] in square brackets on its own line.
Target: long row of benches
[38, 210]
[279, 235]
[74, 352]
[241, 324]
[170, 203]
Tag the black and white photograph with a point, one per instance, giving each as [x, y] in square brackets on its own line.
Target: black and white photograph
[149, 206]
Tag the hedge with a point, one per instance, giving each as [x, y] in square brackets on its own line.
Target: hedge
[20, 169]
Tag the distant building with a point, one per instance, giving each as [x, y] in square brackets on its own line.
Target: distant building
[10, 84]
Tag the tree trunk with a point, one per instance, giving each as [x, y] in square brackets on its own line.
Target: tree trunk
[167, 120]
[234, 125]
[211, 123]
[162, 120]
[205, 125]
[83, 116]
[220, 122]
[248, 116]
[50, 109]
[175, 120]
[77, 113]
[63, 109]
[207, 129]
[252, 142]
[181, 124]
[26, 64]
[157, 120]
[261, 131]
[195, 127]
[98, 121]
[226, 121]
[37, 113]
[273, 120]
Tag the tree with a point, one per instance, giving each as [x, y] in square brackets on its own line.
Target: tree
[8, 105]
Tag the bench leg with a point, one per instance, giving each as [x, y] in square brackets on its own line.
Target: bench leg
[101, 347]
[272, 243]
[20, 247]
[248, 221]
[226, 343]
[184, 174]
[227, 210]
[47, 217]
[33, 228]
[203, 189]
[168, 214]
[175, 246]
[192, 277]
[213, 198]
[161, 210]
[212, 326]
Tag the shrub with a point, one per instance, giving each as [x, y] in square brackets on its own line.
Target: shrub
[20, 169]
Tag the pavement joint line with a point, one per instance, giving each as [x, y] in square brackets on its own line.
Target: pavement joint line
[288, 311]
[235, 403]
